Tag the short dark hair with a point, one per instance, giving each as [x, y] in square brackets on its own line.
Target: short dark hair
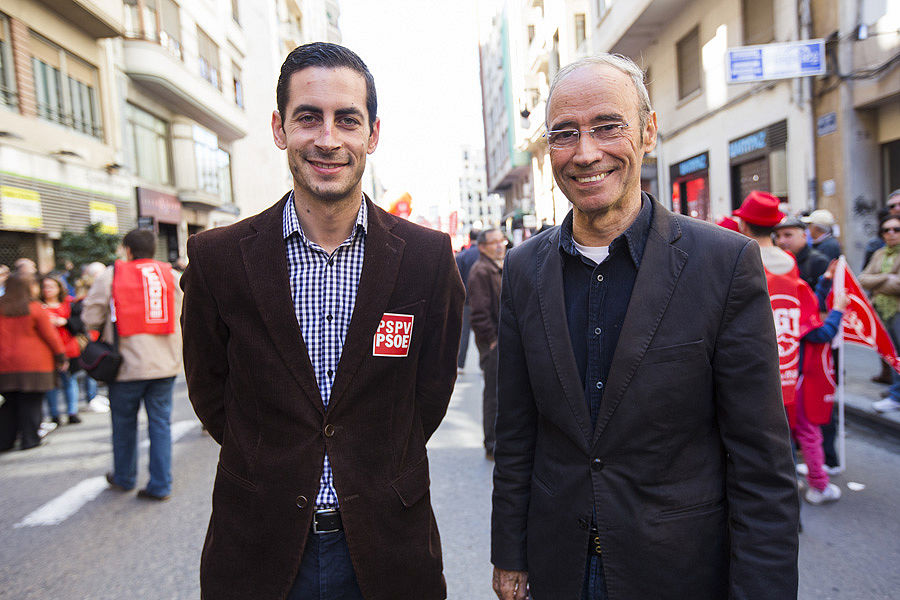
[482, 236]
[328, 56]
[760, 231]
[141, 242]
[883, 220]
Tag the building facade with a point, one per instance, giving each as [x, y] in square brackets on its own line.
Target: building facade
[477, 208]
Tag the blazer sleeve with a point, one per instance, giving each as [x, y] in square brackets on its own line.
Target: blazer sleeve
[872, 277]
[436, 371]
[761, 486]
[516, 435]
[205, 338]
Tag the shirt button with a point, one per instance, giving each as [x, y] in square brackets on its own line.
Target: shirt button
[329, 430]
[302, 501]
[599, 385]
[597, 464]
[597, 331]
[599, 276]
[330, 372]
[329, 317]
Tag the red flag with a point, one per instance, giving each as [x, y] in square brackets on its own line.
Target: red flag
[861, 324]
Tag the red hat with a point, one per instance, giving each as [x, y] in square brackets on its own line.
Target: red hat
[728, 223]
[760, 208]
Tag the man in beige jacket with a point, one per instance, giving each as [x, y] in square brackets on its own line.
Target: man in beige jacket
[141, 298]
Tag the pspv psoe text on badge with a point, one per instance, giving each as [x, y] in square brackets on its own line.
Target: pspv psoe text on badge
[393, 336]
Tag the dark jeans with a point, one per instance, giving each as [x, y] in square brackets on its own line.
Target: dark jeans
[594, 582]
[20, 414]
[326, 572]
[464, 338]
[488, 364]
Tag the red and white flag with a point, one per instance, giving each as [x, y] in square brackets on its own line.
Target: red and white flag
[861, 324]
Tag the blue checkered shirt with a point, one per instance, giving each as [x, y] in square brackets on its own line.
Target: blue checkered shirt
[323, 287]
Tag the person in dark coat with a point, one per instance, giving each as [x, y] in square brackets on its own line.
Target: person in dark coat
[642, 445]
[821, 232]
[790, 236]
[320, 344]
[465, 258]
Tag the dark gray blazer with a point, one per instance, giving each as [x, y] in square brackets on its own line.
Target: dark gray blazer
[689, 466]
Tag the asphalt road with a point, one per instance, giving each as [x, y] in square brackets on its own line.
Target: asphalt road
[66, 536]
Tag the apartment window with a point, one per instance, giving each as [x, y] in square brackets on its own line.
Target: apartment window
[7, 77]
[758, 19]
[170, 28]
[209, 59]
[580, 30]
[148, 145]
[234, 12]
[603, 7]
[213, 165]
[688, 57]
[238, 85]
[65, 87]
[530, 33]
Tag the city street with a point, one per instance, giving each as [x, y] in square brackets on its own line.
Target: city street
[67, 536]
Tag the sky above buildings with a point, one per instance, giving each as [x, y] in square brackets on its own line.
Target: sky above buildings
[424, 57]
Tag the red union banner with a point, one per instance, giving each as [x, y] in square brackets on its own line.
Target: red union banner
[861, 324]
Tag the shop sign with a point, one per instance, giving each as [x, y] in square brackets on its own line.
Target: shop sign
[21, 208]
[105, 214]
[165, 208]
[775, 61]
[826, 124]
[693, 164]
[747, 144]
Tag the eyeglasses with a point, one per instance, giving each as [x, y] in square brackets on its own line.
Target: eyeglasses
[890, 230]
[602, 135]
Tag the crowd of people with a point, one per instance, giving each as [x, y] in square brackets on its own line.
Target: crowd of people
[43, 335]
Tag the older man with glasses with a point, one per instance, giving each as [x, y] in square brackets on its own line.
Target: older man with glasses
[642, 449]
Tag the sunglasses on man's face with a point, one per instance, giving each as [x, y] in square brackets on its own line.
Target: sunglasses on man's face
[890, 230]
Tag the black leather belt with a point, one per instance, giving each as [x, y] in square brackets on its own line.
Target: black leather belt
[594, 543]
[327, 520]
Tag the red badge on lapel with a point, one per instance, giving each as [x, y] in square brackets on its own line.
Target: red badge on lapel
[393, 336]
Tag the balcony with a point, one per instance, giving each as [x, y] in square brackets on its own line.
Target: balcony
[160, 73]
[97, 18]
[629, 27]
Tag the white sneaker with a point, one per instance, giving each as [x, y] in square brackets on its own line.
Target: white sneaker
[802, 469]
[831, 493]
[832, 471]
[886, 405]
[45, 428]
[99, 404]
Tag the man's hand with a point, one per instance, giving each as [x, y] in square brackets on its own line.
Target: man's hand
[510, 585]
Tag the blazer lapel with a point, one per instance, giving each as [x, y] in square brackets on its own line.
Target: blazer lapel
[660, 268]
[381, 265]
[265, 261]
[552, 302]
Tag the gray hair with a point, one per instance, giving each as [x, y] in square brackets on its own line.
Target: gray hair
[482, 236]
[616, 61]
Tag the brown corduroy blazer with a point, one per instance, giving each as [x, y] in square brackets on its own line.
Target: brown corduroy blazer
[252, 384]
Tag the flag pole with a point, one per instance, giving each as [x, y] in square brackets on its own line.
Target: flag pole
[841, 372]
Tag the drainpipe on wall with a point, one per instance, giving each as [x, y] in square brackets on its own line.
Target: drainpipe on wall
[805, 13]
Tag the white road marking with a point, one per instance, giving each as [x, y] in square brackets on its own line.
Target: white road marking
[65, 505]
[72, 500]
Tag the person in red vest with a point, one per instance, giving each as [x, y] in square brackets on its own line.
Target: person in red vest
[146, 300]
[803, 352]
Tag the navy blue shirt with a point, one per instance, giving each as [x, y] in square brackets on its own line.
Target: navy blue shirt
[597, 298]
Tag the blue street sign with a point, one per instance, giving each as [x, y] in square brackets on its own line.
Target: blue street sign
[775, 61]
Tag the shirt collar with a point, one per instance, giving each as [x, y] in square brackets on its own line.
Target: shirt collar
[290, 224]
[634, 238]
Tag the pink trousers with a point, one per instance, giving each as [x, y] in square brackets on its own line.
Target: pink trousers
[809, 439]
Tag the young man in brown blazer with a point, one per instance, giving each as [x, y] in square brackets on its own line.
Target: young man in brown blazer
[320, 341]
[642, 447]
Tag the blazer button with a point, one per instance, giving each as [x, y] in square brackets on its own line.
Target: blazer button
[597, 464]
[302, 501]
[329, 430]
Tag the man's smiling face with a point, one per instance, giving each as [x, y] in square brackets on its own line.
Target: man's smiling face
[325, 130]
[597, 177]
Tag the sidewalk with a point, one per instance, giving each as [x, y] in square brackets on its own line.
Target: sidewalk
[860, 391]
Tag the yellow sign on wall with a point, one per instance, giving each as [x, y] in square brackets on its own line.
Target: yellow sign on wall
[21, 208]
[105, 214]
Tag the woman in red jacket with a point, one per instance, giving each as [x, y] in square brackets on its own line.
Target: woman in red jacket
[59, 305]
[31, 351]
